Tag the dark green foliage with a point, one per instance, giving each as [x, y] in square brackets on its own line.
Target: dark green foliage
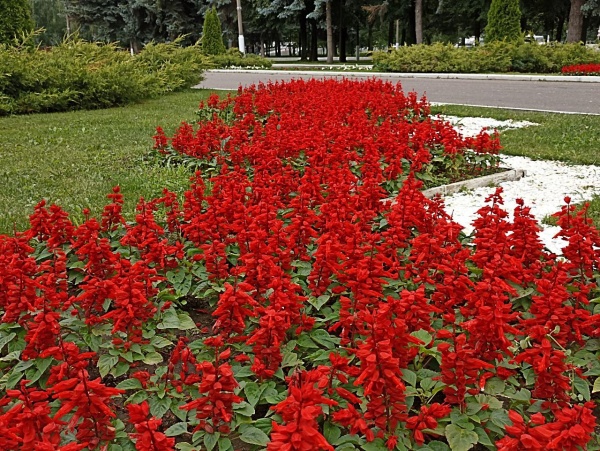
[504, 21]
[136, 22]
[491, 57]
[15, 19]
[212, 36]
[81, 75]
[52, 17]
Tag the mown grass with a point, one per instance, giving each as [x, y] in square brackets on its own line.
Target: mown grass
[572, 138]
[74, 159]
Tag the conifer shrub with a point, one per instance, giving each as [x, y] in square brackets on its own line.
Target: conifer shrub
[212, 36]
[82, 75]
[504, 21]
[15, 19]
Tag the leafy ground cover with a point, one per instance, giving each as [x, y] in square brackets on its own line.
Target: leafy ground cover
[285, 304]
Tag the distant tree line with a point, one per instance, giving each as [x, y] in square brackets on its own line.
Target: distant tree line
[300, 25]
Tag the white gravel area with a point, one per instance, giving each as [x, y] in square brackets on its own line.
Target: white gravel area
[543, 189]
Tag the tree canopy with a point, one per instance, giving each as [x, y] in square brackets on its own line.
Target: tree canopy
[15, 19]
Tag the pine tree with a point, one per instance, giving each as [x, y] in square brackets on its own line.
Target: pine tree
[212, 36]
[15, 18]
[504, 21]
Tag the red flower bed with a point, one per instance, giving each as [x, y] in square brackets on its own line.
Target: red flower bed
[288, 304]
[582, 69]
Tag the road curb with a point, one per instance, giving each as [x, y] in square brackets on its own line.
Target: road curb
[487, 180]
[549, 78]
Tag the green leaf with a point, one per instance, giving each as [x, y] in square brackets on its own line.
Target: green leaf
[521, 395]
[322, 337]
[253, 392]
[423, 335]
[5, 340]
[376, 445]
[319, 302]
[120, 369]
[177, 429]
[160, 342]
[225, 444]
[185, 322]
[500, 418]
[410, 377]
[106, 362]
[484, 439]
[158, 407]
[582, 387]
[596, 387]
[254, 436]
[592, 344]
[331, 432]
[152, 358]
[170, 320]
[495, 386]
[305, 341]
[436, 445]
[185, 447]
[210, 440]
[460, 439]
[130, 384]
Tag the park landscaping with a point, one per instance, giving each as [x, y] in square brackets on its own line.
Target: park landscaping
[282, 301]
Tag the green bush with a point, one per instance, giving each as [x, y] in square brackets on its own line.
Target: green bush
[212, 35]
[235, 58]
[499, 56]
[15, 19]
[82, 75]
[504, 21]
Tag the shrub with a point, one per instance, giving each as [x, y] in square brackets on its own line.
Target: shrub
[82, 75]
[504, 21]
[212, 36]
[15, 19]
[235, 58]
[498, 56]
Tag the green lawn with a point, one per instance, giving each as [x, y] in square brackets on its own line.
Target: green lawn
[74, 159]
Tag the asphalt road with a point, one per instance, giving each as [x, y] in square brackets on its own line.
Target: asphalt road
[572, 97]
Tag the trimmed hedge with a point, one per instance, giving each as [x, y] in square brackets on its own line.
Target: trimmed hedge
[82, 75]
[491, 57]
[235, 58]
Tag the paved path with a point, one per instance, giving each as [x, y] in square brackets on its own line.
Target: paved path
[520, 92]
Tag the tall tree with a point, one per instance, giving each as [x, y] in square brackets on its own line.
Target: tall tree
[575, 30]
[329, 22]
[419, 21]
[15, 18]
[52, 17]
[504, 21]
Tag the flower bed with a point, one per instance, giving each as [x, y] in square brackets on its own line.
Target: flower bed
[284, 306]
[582, 69]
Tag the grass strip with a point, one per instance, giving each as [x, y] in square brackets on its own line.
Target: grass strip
[74, 159]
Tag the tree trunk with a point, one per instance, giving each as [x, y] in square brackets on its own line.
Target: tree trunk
[559, 28]
[419, 21]
[314, 41]
[370, 37]
[575, 29]
[343, 39]
[303, 36]
[329, 32]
